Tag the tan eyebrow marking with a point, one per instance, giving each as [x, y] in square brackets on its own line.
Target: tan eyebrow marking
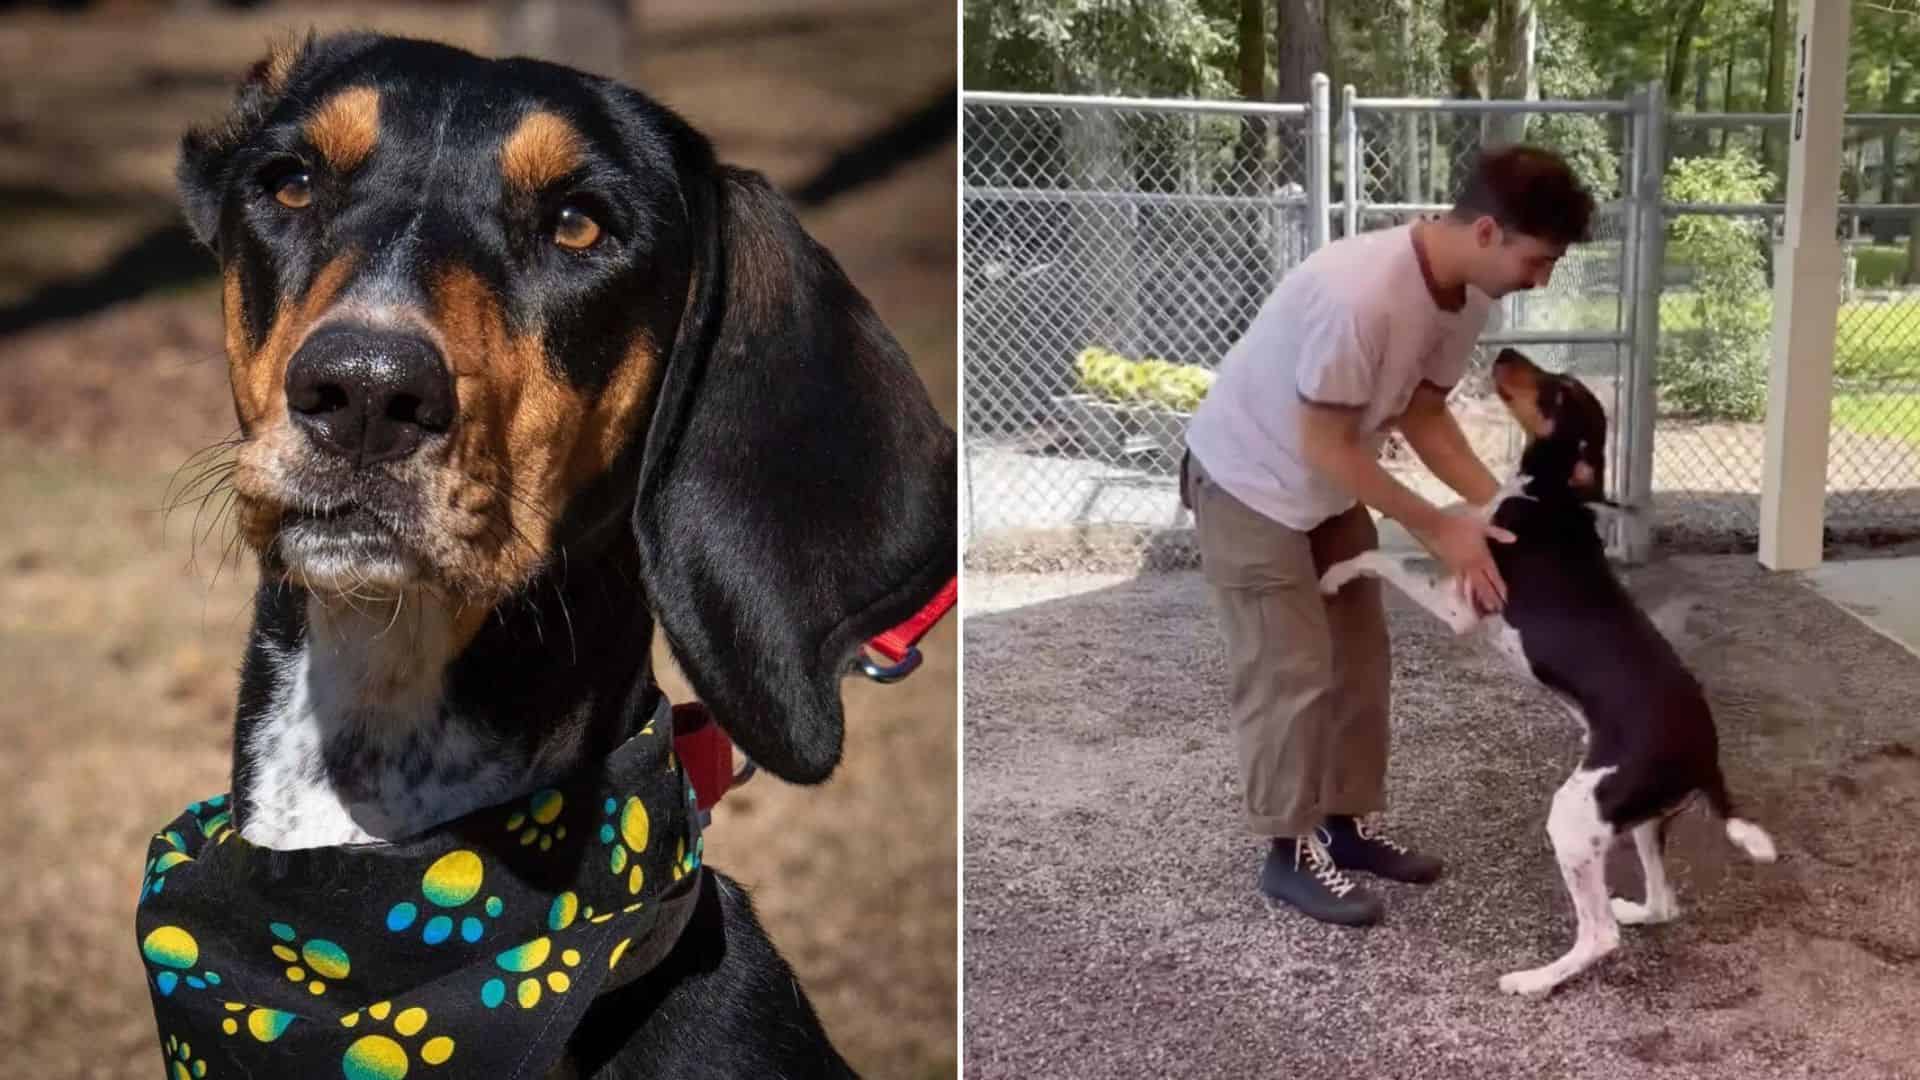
[542, 149]
[346, 127]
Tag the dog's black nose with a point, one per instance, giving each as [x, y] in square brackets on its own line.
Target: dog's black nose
[369, 395]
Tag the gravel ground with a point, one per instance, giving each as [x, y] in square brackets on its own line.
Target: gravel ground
[1113, 929]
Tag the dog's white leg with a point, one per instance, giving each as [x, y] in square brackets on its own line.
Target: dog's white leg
[1662, 905]
[1580, 842]
[1434, 595]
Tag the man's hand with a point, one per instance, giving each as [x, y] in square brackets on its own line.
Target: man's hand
[1458, 539]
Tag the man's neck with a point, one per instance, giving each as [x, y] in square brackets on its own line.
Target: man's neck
[1433, 246]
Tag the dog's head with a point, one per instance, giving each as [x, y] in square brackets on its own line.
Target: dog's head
[484, 318]
[1565, 425]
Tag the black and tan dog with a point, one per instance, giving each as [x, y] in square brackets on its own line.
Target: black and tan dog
[520, 369]
[1570, 625]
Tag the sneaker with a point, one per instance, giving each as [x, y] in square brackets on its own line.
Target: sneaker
[1356, 845]
[1299, 872]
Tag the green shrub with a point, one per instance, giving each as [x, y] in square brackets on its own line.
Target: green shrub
[1717, 366]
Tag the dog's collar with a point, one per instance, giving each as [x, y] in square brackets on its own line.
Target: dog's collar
[479, 944]
[900, 644]
[708, 753]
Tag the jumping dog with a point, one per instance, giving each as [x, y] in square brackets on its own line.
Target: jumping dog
[1571, 626]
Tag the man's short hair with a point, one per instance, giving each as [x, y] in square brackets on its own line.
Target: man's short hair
[1527, 189]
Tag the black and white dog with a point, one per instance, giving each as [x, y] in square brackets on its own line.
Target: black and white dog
[1570, 625]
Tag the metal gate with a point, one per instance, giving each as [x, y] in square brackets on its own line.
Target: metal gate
[1113, 247]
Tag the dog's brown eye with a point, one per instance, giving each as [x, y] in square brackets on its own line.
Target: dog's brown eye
[294, 190]
[576, 230]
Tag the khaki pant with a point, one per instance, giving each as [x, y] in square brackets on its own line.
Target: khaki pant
[1309, 674]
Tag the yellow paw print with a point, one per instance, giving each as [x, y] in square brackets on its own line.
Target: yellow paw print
[536, 822]
[323, 959]
[181, 1064]
[625, 834]
[173, 948]
[155, 878]
[449, 884]
[265, 1025]
[527, 960]
[380, 1057]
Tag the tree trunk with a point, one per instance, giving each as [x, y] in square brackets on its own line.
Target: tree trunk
[1513, 78]
[1772, 137]
[1680, 56]
[1697, 140]
[587, 34]
[1251, 154]
[1300, 27]
[1883, 226]
[1411, 188]
[1726, 99]
[1913, 230]
[1107, 241]
[1464, 20]
[1913, 248]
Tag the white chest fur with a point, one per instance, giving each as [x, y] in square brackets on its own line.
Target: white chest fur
[358, 745]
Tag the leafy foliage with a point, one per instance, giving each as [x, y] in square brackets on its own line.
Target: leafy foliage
[1718, 367]
[1166, 48]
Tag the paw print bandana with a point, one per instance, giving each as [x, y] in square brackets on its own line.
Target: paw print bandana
[470, 951]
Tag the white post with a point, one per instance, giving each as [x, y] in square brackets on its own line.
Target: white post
[1806, 298]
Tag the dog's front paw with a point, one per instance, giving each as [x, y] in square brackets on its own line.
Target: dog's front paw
[1535, 983]
[1461, 618]
[1338, 575]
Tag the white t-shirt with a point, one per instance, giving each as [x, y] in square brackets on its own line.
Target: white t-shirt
[1355, 325]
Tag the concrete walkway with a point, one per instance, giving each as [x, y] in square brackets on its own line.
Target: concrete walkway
[1883, 593]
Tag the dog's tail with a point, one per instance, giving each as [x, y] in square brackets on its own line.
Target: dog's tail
[1745, 835]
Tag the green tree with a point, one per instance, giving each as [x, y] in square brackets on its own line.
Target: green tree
[1169, 48]
[1713, 363]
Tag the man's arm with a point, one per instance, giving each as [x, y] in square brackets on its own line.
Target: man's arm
[1434, 433]
[1332, 445]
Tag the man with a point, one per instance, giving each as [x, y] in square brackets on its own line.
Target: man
[1368, 334]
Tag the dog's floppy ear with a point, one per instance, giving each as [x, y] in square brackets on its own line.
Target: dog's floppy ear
[797, 489]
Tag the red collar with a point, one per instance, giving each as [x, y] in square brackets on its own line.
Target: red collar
[707, 753]
[898, 644]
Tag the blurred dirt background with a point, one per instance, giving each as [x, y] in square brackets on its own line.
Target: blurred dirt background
[121, 626]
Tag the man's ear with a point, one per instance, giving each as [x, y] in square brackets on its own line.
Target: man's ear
[798, 489]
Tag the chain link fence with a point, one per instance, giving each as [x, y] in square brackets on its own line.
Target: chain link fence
[1114, 249]
[1101, 238]
[1715, 354]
